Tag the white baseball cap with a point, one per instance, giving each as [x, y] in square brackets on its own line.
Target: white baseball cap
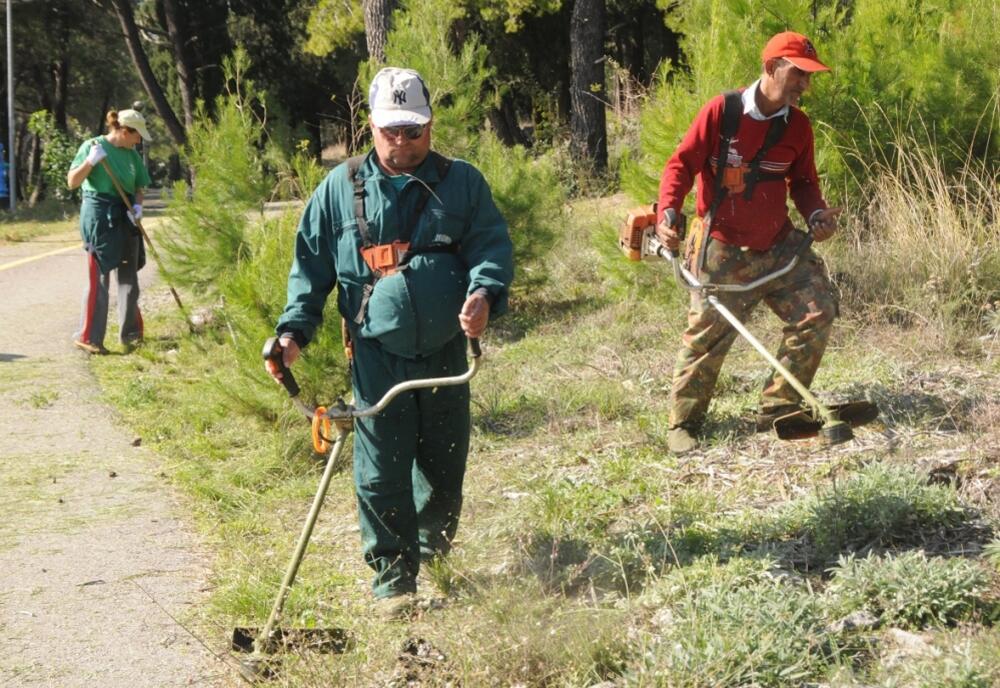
[134, 120]
[398, 97]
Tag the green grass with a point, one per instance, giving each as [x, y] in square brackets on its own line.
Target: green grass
[587, 552]
[49, 217]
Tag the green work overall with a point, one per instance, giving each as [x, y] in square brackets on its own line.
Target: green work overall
[409, 461]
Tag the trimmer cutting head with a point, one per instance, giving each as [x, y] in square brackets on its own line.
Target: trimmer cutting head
[263, 664]
[325, 640]
[803, 424]
[836, 433]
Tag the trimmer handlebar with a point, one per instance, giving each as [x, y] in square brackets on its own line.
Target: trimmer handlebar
[653, 247]
[273, 352]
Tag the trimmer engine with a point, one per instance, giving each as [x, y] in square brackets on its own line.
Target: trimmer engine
[636, 233]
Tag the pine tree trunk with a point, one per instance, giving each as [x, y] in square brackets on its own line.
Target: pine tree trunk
[182, 59]
[60, 83]
[378, 14]
[123, 9]
[588, 123]
[503, 119]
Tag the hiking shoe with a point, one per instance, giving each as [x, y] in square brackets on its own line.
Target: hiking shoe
[680, 440]
[92, 349]
[767, 415]
[395, 608]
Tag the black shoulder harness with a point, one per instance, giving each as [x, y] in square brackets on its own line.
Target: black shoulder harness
[732, 111]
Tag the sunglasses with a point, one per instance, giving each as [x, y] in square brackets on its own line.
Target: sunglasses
[412, 131]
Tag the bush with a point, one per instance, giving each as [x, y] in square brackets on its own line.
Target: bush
[58, 151]
[882, 506]
[735, 625]
[254, 294]
[206, 235]
[297, 175]
[960, 660]
[906, 59]
[930, 70]
[217, 247]
[910, 590]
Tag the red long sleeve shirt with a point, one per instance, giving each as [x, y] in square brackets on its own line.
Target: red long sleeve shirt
[759, 222]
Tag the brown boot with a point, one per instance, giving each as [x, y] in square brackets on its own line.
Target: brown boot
[681, 440]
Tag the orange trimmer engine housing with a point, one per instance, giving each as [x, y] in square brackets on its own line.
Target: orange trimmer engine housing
[384, 259]
[640, 222]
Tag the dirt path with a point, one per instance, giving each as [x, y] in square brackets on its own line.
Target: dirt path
[95, 555]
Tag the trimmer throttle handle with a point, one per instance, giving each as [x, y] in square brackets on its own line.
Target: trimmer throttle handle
[474, 345]
[273, 352]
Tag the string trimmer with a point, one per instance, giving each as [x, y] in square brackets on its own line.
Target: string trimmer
[264, 642]
[832, 423]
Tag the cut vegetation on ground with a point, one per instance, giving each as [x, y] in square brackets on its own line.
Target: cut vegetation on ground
[587, 553]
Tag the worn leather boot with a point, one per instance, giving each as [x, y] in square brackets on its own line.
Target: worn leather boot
[681, 440]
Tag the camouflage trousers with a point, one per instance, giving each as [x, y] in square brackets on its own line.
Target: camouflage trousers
[804, 299]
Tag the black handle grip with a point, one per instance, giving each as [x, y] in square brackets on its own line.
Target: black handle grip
[474, 345]
[273, 352]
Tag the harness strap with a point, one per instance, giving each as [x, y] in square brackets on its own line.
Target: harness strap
[353, 165]
[774, 134]
[732, 110]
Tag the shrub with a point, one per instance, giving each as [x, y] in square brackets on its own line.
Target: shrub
[735, 625]
[910, 590]
[882, 506]
[206, 235]
[907, 63]
[898, 57]
[297, 175]
[58, 151]
[960, 660]
[254, 294]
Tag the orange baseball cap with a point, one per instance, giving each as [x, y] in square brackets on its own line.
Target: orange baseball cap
[795, 48]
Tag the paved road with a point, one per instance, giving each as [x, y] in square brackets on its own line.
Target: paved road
[95, 552]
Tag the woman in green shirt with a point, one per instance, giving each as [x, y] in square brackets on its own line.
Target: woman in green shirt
[110, 238]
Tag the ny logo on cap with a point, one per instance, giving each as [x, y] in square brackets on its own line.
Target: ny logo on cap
[809, 49]
[399, 97]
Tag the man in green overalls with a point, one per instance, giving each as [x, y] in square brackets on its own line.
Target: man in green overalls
[423, 259]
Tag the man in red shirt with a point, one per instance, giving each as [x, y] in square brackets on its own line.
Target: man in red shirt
[749, 234]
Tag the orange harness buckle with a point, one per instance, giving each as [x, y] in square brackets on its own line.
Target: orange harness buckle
[384, 259]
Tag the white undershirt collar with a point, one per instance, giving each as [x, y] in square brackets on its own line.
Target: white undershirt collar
[750, 105]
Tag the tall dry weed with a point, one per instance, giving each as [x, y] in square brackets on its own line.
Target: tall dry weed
[924, 248]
